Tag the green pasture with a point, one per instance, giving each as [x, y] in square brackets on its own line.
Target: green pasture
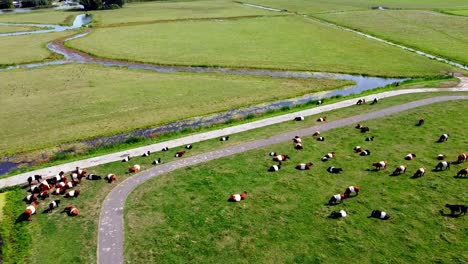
[463, 12]
[289, 43]
[78, 236]
[113, 100]
[9, 29]
[184, 216]
[27, 48]
[46, 16]
[2, 204]
[323, 6]
[148, 12]
[432, 32]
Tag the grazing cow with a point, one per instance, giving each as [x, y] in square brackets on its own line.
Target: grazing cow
[71, 210]
[440, 157]
[322, 119]
[370, 138]
[462, 158]
[410, 156]
[52, 205]
[57, 178]
[442, 165]
[73, 193]
[134, 168]
[316, 133]
[76, 177]
[44, 195]
[35, 189]
[274, 168]
[359, 126]
[238, 197]
[299, 118]
[280, 158]
[126, 159]
[328, 156]
[443, 137]
[146, 154]
[80, 172]
[350, 190]
[157, 161]
[361, 101]
[421, 122]
[336, 198]
[319, 102]
[36, 177]
[70, 185]
[93, 177]
[419, 173]
[44, 186]
[60, 185]
[272, 154]
[320, 139]
[375, 101]
[188, 146]
[334, 170]
[30, 210]
[380, 215]
[340, 214]
[463, 172]
[30, 179]
[399, 170]
[365, 153]
[165, 149]
[358, 149]
[226, 138]
[110, 178]
[298, 146]
[379, 165]
[457, 208]
[365, 129]
[61, 190]
[297, 139]
[179, 154]
[304, 166]
[30, 198]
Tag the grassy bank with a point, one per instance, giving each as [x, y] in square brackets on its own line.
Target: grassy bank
[113, 100]
[9, 29]
[462, 12]
[44, 16]
[432, 32]
[184, 216]
[274, 43]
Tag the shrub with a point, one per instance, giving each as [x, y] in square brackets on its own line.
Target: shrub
[5, 4]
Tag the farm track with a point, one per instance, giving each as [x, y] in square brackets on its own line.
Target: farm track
[110, 237]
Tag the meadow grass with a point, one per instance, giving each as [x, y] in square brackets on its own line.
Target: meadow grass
[147, 12]
[291, 43]
[323, 6]
[432, 32]
[9, 29]
[2, 204]
[40, 17]
[28, 48]
[78, 236]
[114, 100]
[184, 216]
[462, 12]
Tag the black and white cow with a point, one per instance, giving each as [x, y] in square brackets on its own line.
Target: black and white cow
[380, 215]
[334, 170]
[157, 161]
[365, 153]
[93, 177]
[443, 137]
[442, 165]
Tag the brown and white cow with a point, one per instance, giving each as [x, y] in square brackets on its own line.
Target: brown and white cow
[30, 198]
[280, 157]
[43, 195]
[30, 210]
[238, 197]
[135, 168]
[304, 166]
[71, 210]
[419, 173]
[336, 198]
[179, 154]
[322, 119]
[358, 149]
[52, 205]
[410, 156]
[381, 164]
[328, 156]
[351, 189]
[72, 193]
[316, 134]
[399, 170]
[297, 139]
[59, 190]
[462, 157]
[110, 178]
[298, 146]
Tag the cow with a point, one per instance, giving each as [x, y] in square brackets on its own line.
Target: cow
[110, 178]
[304, 166]
[52, 205]
[365, 129]
[297, 139]
[60, 190]
[334, 170]
[34, 189]
[457, 208]
[165, 149]
[71, 210]
[134, 168]
[316, 134]
[462, 158]
[361, 101]
[421, 122]
[146, 154]
[70, 185]
[328, 156]
[410, 156]
[358, 149]
[443, 138]
[77, 177]
[238, 197]
[442, 165]
[30, 210]
[336, 198]
[320, 139]
[274, 168]
[365, 153]
[419, 173]
[399, 170]
[440, 157]
[126, 159]
[379, 165]
[350, 190]
[57, 178]
[225, 138]
[322, 119]
[359, 126]
[44, 186]
[272, 154]
[36, 178]
[93, 177]
[463, 172]
[188, 146]
[340, 214]
[73, 193]
[298, 146]
[375, 101]
[319, 102]
[30, 198]
[157, 161]
[299, 118]
[179, 154]
[369, 138]
[281, 158]
[380, 215]
[44, 195]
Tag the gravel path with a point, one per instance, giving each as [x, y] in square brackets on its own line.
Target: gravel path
[110, 237]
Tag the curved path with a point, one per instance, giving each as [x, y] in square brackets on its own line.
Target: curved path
[110, 237]
[90, 162]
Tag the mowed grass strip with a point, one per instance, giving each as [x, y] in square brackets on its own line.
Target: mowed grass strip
[147, 12]
[291, 43]
[10, 29]
[435, 33]
[71, 102]
[41, 17]
[28, 48]
[463, 12]
[184, 216]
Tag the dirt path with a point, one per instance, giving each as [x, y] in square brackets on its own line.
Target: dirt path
[110, 237]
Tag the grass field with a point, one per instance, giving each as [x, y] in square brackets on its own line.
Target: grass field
[9, 29]
[2, 204]
[147, 12]
[28, 48]
[435, 33]
[321, 6]
[41, 17]
[278, 43]
[78, 236]
[463, 12]
[184, 216]
[112, 100]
